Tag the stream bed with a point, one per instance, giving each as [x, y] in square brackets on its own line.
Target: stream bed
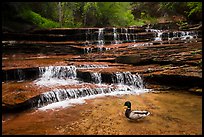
[172, 112]
[78, 84]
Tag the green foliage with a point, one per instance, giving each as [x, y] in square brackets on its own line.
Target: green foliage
[72, 14]
[98, 14]
[195, 7]
[38, 19]
[182, 24]
[45, 9]
[107, 14]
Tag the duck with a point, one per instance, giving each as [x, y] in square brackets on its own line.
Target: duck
[134, 114]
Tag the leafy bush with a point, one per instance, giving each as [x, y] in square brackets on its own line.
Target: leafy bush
[195, 7]
[38, 19]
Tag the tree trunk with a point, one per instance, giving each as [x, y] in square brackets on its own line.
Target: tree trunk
[60, 13]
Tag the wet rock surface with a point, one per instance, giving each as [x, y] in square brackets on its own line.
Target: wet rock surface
[163, 65]
[171, 114]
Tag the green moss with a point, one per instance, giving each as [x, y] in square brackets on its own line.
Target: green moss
[39, 20]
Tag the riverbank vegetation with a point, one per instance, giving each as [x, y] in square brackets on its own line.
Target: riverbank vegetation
[96, 14]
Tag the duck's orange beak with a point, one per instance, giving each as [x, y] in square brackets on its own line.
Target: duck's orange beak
[125, 107]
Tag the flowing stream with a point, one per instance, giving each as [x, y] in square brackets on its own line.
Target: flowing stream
[63, 86]
[121, 83]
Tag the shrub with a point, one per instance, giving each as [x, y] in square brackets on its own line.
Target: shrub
[39, 20]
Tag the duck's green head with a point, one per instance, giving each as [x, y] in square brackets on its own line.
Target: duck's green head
[128, 104]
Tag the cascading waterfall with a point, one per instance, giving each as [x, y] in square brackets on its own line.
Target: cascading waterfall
[87, 42]
[115, 37]
[96, 77]
[61, 72]
[60, 75]
[126, 34]
[126, 78]
[188, 35]
[133, 36]
[183, 35]
[158, 34]
[176, 35]
[21, 75]
[122, 83]
[100, 39]
[49, 98]
[87, 50]
[118, 78]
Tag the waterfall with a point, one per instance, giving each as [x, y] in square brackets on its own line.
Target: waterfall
[65, 97]
[67, 75]
[107, 49]
[122, 83]
[126, 78]
[100, 36]
[184, 35]
[176, 35]
[21, 74]
[61, 72]
[115, 37]
[133, 37]
[87, 50]
[134, 80]
[188, 35]
[96, 77]
[52, 75]
[159, 36]
[118, 78]
[60, 95]
[100, 39]
[126, 34]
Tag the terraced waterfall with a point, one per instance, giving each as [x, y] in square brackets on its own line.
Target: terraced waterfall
[51, 76]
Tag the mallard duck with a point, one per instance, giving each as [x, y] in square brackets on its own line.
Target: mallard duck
[134, 115]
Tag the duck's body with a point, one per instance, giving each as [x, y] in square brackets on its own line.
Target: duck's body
[134, 115]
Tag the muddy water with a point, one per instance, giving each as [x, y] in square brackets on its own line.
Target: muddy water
[172, 112]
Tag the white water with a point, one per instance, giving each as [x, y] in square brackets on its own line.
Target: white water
[122, 83]
[126, 34]
[57, 75]
[87, 50]
[141, 44]
[159, 36]
[126, 78]
[9, 42]
[86, 66]
[100, 39]
[100, 36]
[181, 35]
[96, 77]
[115, 36]
[121, 90]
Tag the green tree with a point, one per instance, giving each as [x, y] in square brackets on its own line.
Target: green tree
[107, 14]
[194, 7]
